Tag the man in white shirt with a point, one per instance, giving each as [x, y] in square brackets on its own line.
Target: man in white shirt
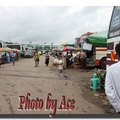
[0, 59]
[112, 82]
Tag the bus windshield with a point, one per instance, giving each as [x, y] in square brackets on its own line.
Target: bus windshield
[114, 29]
[14, 46]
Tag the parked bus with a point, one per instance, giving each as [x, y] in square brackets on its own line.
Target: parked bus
[3, 44]
[17, 46]
[113, 36]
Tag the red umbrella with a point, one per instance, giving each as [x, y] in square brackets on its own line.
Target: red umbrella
[16, 50]
[68, 48]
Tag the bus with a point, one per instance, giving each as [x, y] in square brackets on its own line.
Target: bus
[113, 36]
[17, 46]
[3, 44]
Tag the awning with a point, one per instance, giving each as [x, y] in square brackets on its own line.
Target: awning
[98, 39]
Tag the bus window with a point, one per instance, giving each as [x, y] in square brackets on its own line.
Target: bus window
[14, 46]
[110, 46]
[22, 48]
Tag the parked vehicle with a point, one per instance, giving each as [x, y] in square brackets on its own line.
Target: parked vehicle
[3, 44]
[28, 54]
[17, 46]
[95, 47]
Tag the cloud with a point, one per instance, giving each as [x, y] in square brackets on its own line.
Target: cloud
[49, 24]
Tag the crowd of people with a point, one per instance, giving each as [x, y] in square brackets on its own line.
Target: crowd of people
[67, 59]
[7, 57]
[63, 59]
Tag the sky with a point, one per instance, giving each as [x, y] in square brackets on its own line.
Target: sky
[51, 24]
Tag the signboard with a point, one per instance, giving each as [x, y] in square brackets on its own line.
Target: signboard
[87, 46]
[114, 29]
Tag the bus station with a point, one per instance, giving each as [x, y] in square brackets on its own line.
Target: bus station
[56, 77]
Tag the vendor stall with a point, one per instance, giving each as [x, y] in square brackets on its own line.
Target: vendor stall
[95, 46]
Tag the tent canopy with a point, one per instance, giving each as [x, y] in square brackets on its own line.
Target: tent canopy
[98, 39]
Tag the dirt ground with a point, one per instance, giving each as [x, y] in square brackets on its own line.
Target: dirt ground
[24, 78]
[97, 97]
[82, 78]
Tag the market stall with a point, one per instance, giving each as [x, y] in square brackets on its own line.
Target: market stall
[95, 46]
[99, 46]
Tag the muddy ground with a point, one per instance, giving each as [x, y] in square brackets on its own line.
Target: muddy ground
[24, 78]
[82, 77]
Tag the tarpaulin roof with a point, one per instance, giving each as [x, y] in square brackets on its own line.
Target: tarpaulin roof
[98, 39]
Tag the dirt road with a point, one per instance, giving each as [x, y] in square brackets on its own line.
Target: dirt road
[24, 78]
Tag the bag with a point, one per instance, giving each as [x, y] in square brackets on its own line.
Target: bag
[60, 62]
[55, 61]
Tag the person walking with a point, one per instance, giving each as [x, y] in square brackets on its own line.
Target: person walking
[68, 59]
[60, 64]
[8, 57]
[36, 58]
[112, 82]
[13, 56]
[83, 57]
[47, 58]
[64, 60]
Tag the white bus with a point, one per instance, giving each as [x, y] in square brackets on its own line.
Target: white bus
[3, 44]
[113, 36]
[17, 46]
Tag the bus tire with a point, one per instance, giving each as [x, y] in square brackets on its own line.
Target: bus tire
[103, 63]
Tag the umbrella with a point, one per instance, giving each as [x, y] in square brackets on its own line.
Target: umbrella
[59, 49]
[68, 48]
[5, 49]
[16, 50]
[99, 39]
[54, 49]
[20, 51]
[77, 49]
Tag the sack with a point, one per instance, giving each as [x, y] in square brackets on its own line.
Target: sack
[60, 62]
[55, 61]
